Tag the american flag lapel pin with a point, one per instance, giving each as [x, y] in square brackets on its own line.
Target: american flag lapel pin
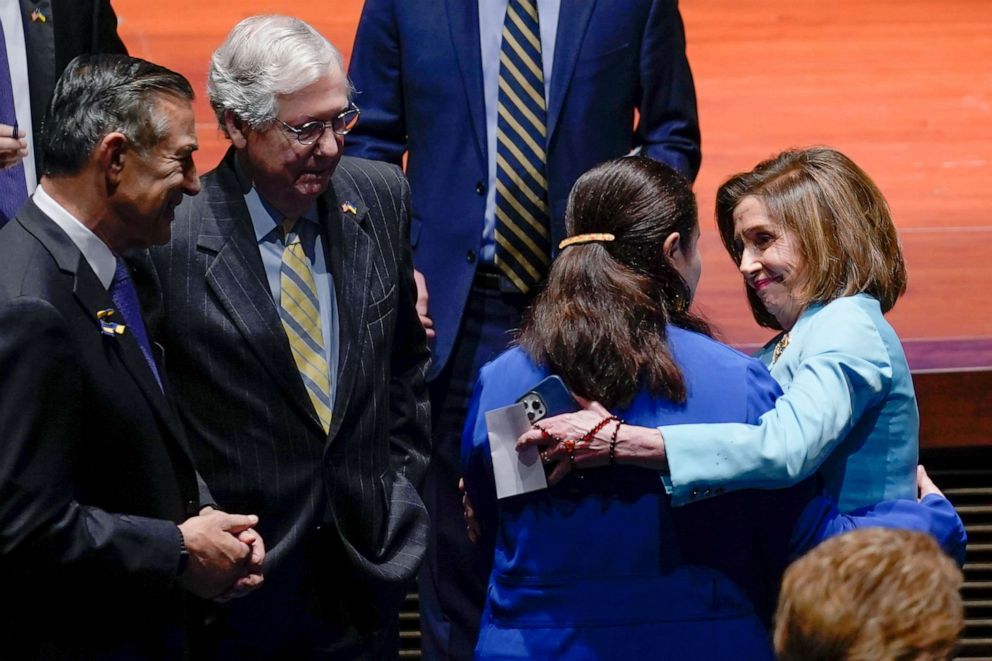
[348, 207]
[38, 17]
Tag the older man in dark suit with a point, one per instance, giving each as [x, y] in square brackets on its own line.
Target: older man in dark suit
[294, 343]
[103, 520]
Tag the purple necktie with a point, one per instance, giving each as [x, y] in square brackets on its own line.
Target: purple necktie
[126, 299]
[13, 188]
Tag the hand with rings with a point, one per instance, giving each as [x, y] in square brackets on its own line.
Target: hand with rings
[563, 444]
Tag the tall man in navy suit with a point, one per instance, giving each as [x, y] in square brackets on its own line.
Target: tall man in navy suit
[293, 340]
[499, 106]
[104, 523]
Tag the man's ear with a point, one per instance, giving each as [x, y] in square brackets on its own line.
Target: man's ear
[112, 153]
[236, 130]
[673, 247]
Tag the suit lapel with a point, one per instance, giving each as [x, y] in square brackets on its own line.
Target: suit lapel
[236, 275]
[573, 20]
[92, 296]
[463, 22]
[350, 259]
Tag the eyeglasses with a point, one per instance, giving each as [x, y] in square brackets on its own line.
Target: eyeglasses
[311, 132]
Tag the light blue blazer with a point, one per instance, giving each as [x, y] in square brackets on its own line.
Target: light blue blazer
[849, 411]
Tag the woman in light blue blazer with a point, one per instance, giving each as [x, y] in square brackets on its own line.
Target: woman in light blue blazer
[600, 566]
[821, 261]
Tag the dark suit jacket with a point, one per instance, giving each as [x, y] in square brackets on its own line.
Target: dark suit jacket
[340, 512]
[94, 469]
[70, 28]
[417, 67]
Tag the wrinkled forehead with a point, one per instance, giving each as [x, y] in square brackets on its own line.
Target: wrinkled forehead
[324, 97]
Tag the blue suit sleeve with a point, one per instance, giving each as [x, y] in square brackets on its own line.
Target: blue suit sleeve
[668, 130]
[934, 515]
[847, 371]
[374, 71]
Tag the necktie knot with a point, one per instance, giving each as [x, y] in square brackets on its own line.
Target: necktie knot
[290, 231]
[122, 277]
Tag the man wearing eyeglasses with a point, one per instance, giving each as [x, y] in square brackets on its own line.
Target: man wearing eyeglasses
[290, 331]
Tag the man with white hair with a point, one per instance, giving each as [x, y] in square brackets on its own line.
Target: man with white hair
[292, 337]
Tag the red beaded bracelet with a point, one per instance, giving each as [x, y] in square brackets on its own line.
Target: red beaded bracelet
[613, 442]
[587, 439]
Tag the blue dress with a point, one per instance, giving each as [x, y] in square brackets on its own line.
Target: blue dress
[604, 568]
[849, 411]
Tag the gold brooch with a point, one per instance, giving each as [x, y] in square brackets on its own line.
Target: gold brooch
[780, 347]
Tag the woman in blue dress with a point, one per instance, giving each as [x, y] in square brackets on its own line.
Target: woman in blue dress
[815, 242]
[600, 566]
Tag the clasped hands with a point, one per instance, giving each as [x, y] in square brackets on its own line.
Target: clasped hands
[226, 554]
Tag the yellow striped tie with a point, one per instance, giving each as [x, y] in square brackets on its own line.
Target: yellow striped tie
[523, 238]
[300, 313]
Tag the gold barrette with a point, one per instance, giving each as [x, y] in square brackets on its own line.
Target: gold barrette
[595, 237]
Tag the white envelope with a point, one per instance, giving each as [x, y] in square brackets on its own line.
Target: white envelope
[515, 472]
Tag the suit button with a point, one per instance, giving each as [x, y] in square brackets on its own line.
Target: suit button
[480, 188]
[707, 492]
[694, 493]
[470, 257]
[718, 490]
[191, 508]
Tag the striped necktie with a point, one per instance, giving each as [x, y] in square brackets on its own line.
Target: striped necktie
[300, 313]
[523, 244]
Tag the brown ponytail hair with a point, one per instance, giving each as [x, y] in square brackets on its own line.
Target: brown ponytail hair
[600, 322]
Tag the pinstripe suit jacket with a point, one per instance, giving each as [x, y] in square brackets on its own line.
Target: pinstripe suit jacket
[340, 512]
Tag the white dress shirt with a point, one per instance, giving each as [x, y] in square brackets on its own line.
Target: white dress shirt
[95, 251]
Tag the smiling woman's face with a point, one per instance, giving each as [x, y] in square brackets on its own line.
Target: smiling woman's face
[770, 260]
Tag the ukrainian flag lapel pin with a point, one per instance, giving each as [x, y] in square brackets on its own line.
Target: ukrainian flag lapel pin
[110, 328]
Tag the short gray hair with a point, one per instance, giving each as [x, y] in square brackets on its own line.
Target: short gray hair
[99, 94]
[262, 57]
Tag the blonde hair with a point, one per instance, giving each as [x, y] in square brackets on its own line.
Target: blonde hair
[873, 594]
[842, 223]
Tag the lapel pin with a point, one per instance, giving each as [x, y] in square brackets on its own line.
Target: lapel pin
[109, 327]
[37, 16]
[348, 207]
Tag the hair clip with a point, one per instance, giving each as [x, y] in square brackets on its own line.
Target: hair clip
[595, 237]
